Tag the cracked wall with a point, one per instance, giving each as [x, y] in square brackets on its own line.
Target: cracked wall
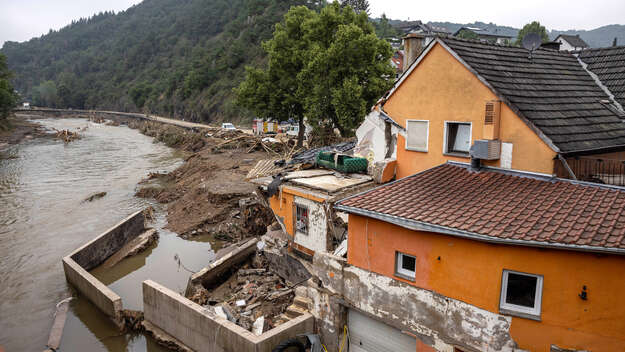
[438, 321]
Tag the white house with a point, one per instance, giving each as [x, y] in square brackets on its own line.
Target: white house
[571, 42]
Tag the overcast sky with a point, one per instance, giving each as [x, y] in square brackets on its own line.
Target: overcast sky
[21, 20]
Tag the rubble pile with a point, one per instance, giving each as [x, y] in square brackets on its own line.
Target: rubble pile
[252, 295]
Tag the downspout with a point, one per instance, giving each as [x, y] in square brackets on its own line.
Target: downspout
[567, 167]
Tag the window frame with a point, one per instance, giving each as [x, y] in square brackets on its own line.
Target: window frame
[427, 136]
[297, 205]
[517, 310]
[401, 272]
[446, 138]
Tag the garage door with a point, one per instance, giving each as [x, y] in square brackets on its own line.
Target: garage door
[369, 335]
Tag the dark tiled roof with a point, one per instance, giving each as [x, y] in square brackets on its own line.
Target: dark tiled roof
[552, 91]
[493, 205]
[574, 40]
[609, 65]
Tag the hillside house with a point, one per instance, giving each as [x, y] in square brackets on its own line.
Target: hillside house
[490, 36]
[571, 42]
[478, 246]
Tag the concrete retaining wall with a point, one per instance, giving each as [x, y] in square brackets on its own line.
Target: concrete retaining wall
[92, 254]
[199, 329]
[96, 251]
[224, 264]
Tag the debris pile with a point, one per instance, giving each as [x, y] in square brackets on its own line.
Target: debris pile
[67, 135]
[253, 297]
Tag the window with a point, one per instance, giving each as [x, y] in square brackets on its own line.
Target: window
[521, 294]
[457, 138]
[417, 135]
[301, 219]
[406, 266]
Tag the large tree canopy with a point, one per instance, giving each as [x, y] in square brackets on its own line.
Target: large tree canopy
[357, 5]
[328, 66]
[534, 27]
[8, 98]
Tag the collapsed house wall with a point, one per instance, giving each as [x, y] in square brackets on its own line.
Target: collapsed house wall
[316, 238]
[199, 329]
[438, 321]
[92, 254]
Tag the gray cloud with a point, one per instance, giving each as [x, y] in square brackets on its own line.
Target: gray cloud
[24, 19]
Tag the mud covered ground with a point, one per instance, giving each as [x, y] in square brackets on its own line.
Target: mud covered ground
[208, 194]
[17, 128]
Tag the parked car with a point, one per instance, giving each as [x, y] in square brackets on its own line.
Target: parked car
[228, 126]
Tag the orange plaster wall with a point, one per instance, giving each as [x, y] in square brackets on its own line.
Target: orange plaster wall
[284, 208]
[441, 89]
[471, 271]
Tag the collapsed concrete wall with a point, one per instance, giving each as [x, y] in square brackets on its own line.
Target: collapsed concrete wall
[92, 254]
[199, 329]
[222, 266]
[438, 321]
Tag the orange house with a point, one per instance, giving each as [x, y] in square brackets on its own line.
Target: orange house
[547, 253]
[531, 112]
[533, 261]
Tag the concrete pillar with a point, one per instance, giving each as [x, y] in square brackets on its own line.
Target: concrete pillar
[413, 46]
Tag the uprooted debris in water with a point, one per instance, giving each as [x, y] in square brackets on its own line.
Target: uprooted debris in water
[95, 196]
[67, 135]
[132, 320]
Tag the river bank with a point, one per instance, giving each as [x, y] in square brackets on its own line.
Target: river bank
[202, 202]
[14, 130]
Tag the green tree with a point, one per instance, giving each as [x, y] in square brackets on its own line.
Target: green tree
[348, 68]
[533, 27]
[277, 92]
[467, 34]
[328, 66]
[46, 94]
[358, 5]
[8, 98]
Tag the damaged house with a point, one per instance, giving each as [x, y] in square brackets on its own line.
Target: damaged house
[479, 245]
[302, 197]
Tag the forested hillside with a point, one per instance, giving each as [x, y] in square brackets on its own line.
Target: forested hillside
[178, 58]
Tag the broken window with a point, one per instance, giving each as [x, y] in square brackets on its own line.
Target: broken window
[417, 135]
[301, 219]
[406, 266]
[458, 137]
[521, 293]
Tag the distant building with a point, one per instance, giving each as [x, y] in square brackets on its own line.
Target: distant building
[26, 105]
[485, 35]
[423, 28]
[397, 61]
[571, 42]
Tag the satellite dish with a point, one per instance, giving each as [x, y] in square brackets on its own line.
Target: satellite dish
[531, 41]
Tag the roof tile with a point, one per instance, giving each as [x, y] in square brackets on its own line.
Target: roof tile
[518, 206]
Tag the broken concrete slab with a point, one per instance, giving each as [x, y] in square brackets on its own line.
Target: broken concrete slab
[383, 171]
[331, 183]
[134, 247]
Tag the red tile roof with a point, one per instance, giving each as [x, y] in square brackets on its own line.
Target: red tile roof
[499, 206]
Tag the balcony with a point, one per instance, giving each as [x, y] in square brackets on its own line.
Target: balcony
[606, 171]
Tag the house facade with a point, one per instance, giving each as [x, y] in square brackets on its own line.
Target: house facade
[478, 246]
[537, 251]
[571, 42]
[540, 111]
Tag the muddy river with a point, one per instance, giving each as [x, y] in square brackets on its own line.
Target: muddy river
[43, 183]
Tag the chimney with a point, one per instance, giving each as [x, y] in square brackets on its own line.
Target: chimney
[413, 47]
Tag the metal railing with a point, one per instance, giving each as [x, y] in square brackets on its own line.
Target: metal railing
[606, 171]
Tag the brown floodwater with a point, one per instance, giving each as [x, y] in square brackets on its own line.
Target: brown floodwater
[43, 183]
